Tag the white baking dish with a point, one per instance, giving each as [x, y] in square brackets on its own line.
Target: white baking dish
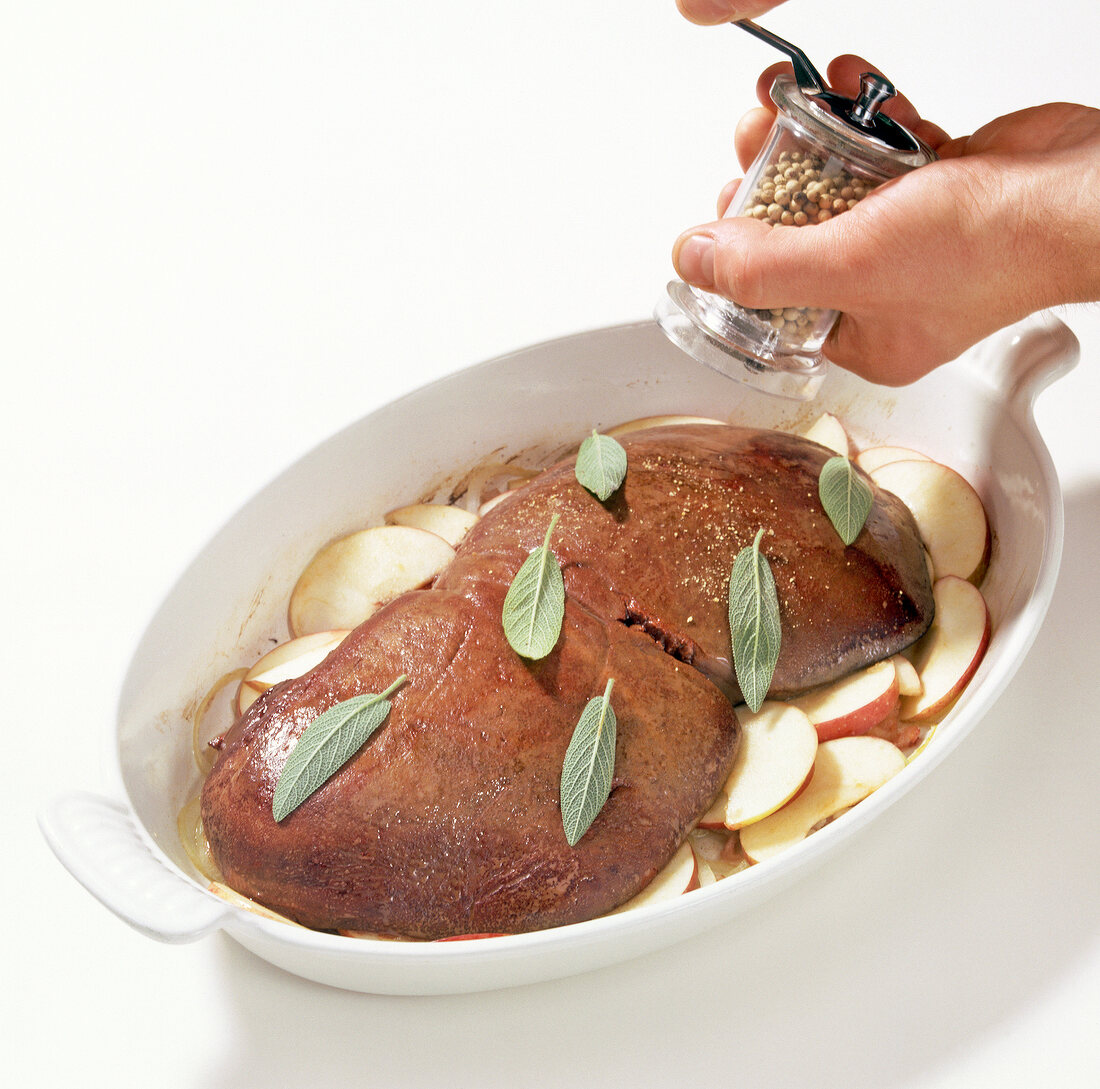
[229, 605]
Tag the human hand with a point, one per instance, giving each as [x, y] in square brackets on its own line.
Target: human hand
[940, 257]
[710, 12]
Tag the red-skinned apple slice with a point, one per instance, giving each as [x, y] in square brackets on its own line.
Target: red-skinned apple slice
[450, 523]
[854, 704]
[948, 513]
[845, 772]
[829, 431]
[351, 578]
[776, 754]
[679, 875]
[644, 422]
[949, 653]
[874, 457]
[293, 658]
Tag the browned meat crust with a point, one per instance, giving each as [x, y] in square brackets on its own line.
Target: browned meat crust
[447, 821]
[659, 553]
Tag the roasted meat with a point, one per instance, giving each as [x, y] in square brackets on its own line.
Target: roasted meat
[447, 821]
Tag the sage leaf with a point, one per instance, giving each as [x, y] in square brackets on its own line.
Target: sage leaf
[754, 622]
[588, 767]
[846, 497]
[601, 465]
[327, 744]
[534, 606]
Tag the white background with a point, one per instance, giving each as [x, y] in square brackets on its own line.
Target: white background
[229, 229]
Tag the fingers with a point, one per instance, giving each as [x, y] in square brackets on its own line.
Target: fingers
[693, 256]
[882, 339]
[748, 138]
[711, 12]
[882, 354]
[844, 75]
[899, 347]
[761, 266]
[952, 149]
[751, 132]
[725, 198]
[931, 134]
[767, 78]
[764, 267]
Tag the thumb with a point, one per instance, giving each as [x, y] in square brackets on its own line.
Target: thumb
[763, 266]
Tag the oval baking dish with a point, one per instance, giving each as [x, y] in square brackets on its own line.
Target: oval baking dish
[228, 606]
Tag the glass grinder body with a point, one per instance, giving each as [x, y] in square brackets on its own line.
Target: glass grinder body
[825, 153]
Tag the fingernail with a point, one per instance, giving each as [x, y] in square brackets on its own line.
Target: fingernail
[694, 260]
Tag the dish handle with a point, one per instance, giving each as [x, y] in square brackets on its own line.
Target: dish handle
[95, 839]
[1022, 360]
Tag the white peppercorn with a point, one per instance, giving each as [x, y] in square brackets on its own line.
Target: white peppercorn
[799, 189]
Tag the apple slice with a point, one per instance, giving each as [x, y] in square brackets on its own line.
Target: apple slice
[829, 431]
[905, 735]
[490, 503]
[450, 523]
[719, 850]
[293, 658]
[705, 873]
[679, 875]
[948, 512]
[948, 654]
[351, 578]
[776, 754]
[715, 816]
[853, 704]
[874, 457]
[845, 772]
[643, 422]
[908, 678]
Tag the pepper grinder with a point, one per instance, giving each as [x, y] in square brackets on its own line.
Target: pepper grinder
[825, 153]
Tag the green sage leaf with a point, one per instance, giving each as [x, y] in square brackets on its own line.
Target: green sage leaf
[754, 623]
[327, 744]
[601, 465]
[588, 767]
[534, 606]
[846, 497]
